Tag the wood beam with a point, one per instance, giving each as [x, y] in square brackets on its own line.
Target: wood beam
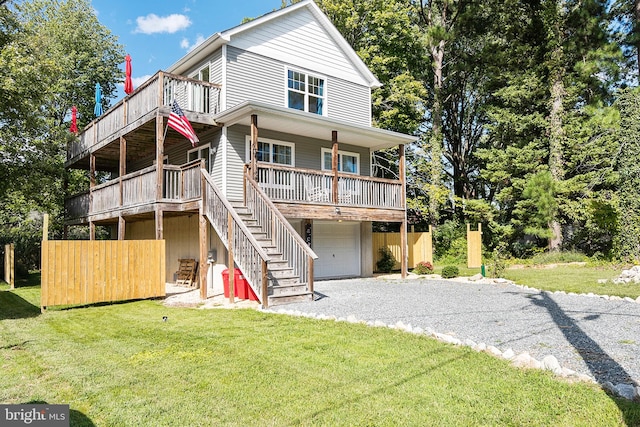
[230, 261]
[203, 235]
[123, 165]
[121, 227]
[92, 184]
[404, 264]
[254, 146]
[159, 156]
[334, 165]
[159, 215]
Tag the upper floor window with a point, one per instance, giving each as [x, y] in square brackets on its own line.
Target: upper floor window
[347, 162]
[305, 92]
[271, 151]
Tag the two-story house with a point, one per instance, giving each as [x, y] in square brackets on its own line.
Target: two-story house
[281, 184]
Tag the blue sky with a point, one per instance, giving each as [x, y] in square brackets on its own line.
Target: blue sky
[158, 33]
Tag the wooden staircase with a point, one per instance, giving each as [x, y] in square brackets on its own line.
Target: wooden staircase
[284, 285]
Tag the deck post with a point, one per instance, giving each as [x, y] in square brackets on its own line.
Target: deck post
[403, 202]
[230, 261]
[159, 155]
[204, 266]
[265, 285]
[121, 227]
[92, 184]
[123, 166]
[254, 146]
[334, 165]
[159, 224]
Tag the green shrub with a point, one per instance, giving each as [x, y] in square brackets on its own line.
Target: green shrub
[423, 267]
[450, 271]
[386, 262]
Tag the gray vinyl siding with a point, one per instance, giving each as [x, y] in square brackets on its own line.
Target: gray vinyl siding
[299, 39]
[308, 151]
[349, 102]
[257, 78]
[235, 162]
[253, 77]
[216, 67]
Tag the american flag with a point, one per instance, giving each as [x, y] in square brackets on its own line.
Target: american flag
[179, 122]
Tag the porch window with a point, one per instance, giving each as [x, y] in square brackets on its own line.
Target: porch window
[305, 92]
[202, 152]
[271, 151]
[347, 162]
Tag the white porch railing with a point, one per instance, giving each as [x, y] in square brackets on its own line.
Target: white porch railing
[311, 186]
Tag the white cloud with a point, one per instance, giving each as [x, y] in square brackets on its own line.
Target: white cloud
[188, 46]
[153, 23]
[137, 81]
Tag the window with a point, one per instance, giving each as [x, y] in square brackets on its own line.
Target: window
[201, 94]
[203, 152]
[271, 151]
[347, 162]
[305, 92]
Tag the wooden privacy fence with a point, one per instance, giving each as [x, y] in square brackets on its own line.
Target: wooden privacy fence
[474, 247]
[420, 247]
[91, 271]
[9, 265]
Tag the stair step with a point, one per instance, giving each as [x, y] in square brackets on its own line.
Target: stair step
[286, 299]
[283, 281]
[291, 289]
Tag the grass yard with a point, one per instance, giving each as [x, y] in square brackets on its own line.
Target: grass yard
[573, 278]
[122, 365]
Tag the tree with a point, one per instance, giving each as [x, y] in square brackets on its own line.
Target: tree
[56, 53]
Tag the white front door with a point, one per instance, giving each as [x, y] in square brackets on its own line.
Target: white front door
[337, 245]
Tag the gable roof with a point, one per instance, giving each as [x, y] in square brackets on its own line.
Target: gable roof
[217, 40]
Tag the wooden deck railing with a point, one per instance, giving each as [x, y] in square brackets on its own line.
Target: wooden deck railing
[312, 186]
[192, 96]
[247, 252]
[288, 242]
[180, 184]
[183, 182]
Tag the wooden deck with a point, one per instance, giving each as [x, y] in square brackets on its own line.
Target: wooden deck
[199, 100]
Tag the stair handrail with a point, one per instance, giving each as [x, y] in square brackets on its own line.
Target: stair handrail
[256, 277]
[278, 217]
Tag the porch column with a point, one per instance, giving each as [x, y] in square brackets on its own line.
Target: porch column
[334, 165]
[159, 176]
[92, 184]
[403, 202]
[121, 227]
[254, 146]
[203, 234]
[123, 166]
[230, 260]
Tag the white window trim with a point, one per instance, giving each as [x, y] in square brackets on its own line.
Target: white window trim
[197, 149]
[271, 141]
[340, 153]
[325, 104]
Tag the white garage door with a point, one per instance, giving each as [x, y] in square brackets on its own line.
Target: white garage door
[337, 245]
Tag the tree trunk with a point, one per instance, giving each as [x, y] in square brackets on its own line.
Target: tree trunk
[556, 137]
[437, 53]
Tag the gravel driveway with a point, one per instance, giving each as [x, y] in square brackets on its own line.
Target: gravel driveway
[590, 335]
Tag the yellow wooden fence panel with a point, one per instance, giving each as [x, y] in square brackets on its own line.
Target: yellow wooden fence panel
[420, 247]
[87, 272]
[474, 247]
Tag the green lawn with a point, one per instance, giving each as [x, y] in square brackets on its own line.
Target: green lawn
[122, 365]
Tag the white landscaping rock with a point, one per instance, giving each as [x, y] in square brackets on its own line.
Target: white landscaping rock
[476, 277]
[494, 350]
[550, 363]
[508, 354]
